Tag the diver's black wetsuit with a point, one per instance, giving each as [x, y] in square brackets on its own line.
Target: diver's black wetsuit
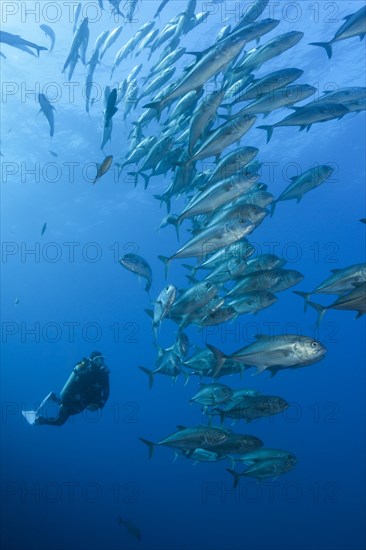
[87, 387]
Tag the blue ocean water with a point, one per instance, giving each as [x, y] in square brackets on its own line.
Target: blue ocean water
[64, 488]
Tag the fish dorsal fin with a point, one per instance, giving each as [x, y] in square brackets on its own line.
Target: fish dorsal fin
[335, 270]
[180, 428]
[293, 178]
[347, 16]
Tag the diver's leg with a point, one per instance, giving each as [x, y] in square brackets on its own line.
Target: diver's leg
[32, 416]
[51, 397]
[62, 418]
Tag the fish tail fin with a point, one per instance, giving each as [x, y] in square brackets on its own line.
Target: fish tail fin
[305, 295]
[326, 45]
[273, 206]
[166, 262]
[192, 279]
[174, 221]
[187, 376]
[146, 179]
[150, 313]
[268, 129]
[190, 267]
[157, 105]
[149, 444]
[220, 358]
[163, 198]
[150, 374]
[40, 49]
[321, 310]
[135, 176]
[235, 475]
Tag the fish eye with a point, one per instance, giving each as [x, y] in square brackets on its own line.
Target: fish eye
[237, 261]
[208, 285]
[314, 344]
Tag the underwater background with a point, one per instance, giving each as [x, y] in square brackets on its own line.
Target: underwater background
[64, 488]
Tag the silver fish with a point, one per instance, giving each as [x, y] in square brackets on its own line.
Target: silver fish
[48, 110]
[304, 183]
[163, 305]
[341, 281]
[50, 33]
[213, 238]
[138, 265]
[355, 300]
[354, 25]
[224, 136]
[280, 352]
[306, 116]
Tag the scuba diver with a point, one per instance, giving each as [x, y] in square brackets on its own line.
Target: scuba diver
[86, 388]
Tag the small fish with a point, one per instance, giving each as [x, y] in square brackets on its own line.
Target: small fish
[263, 469]
[189, 439]
[111, 108]
[280, 352]
[252, 302]
[355, 300]
[211, 62]
[43, 230]
[160, 8]
[131, 8]
[253, 407]
[16, 301]
[76, 16]
[341, 281]
[50, 33]
[103, 168]
[304, 183]
[17, 42]
[52, 153]
[47, 109]
[131, 528]
[80, 39]
[112, 37]
[138, 265]
[163, 305]
[115, 7]
[306, 116]
[211, 239]
[354, 25]
[251, 13]
[265, 454]
[213, 394]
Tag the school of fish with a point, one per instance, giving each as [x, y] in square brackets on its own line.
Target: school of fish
[224, 204]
